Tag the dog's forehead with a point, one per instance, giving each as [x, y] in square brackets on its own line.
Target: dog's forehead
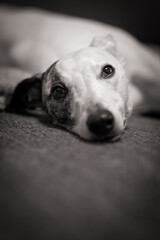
[84, 58]
[81, 69]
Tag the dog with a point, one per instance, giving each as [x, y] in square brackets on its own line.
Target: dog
[81, 72]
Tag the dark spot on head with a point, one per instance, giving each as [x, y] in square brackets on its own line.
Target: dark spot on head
[58, 109]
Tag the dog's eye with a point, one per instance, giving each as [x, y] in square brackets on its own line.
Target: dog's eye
[108, 71]
[59, 92]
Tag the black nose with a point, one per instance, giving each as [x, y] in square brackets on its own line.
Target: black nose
[100, 122]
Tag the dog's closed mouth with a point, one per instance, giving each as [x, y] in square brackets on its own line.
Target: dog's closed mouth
[110, 139]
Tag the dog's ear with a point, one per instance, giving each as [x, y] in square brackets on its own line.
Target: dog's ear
[105, 42]
[27, 95]
[108, 43]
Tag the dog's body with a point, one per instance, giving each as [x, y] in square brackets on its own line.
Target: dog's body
[90, 80]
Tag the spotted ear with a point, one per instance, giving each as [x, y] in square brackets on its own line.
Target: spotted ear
[108, 43]
[27, 95]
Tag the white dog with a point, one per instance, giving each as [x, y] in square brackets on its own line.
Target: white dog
[87, 88]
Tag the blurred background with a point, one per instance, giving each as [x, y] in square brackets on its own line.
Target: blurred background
[139, 17]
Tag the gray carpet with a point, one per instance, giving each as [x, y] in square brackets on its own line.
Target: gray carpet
[55, 186]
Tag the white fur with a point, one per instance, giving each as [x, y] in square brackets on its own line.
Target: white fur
[81, 72]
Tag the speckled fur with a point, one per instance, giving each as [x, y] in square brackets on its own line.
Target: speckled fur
[60, 111]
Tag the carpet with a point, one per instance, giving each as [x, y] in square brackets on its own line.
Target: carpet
[54, 185]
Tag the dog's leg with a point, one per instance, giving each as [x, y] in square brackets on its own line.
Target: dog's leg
[32, 56]
[146, 98]
[150, 59]
[147, 80]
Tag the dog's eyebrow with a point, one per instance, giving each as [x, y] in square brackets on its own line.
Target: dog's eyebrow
[53, 73]
[51, 69]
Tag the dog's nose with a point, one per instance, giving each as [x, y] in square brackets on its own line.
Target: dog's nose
[100, 122]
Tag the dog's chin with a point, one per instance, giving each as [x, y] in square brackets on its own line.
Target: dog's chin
[110, 138]
[88, 136]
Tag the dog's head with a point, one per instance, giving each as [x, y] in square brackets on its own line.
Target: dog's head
[86, 92]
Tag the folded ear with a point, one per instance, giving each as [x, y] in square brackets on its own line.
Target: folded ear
[108, 43]
[27, 94]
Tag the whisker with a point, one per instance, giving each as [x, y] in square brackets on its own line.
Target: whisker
[142, 107]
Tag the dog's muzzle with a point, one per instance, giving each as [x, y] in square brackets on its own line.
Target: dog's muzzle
[100, 122]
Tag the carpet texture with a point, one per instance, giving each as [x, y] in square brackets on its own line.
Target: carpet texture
[55, 186]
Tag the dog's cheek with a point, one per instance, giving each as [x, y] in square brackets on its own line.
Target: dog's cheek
[61, 113]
